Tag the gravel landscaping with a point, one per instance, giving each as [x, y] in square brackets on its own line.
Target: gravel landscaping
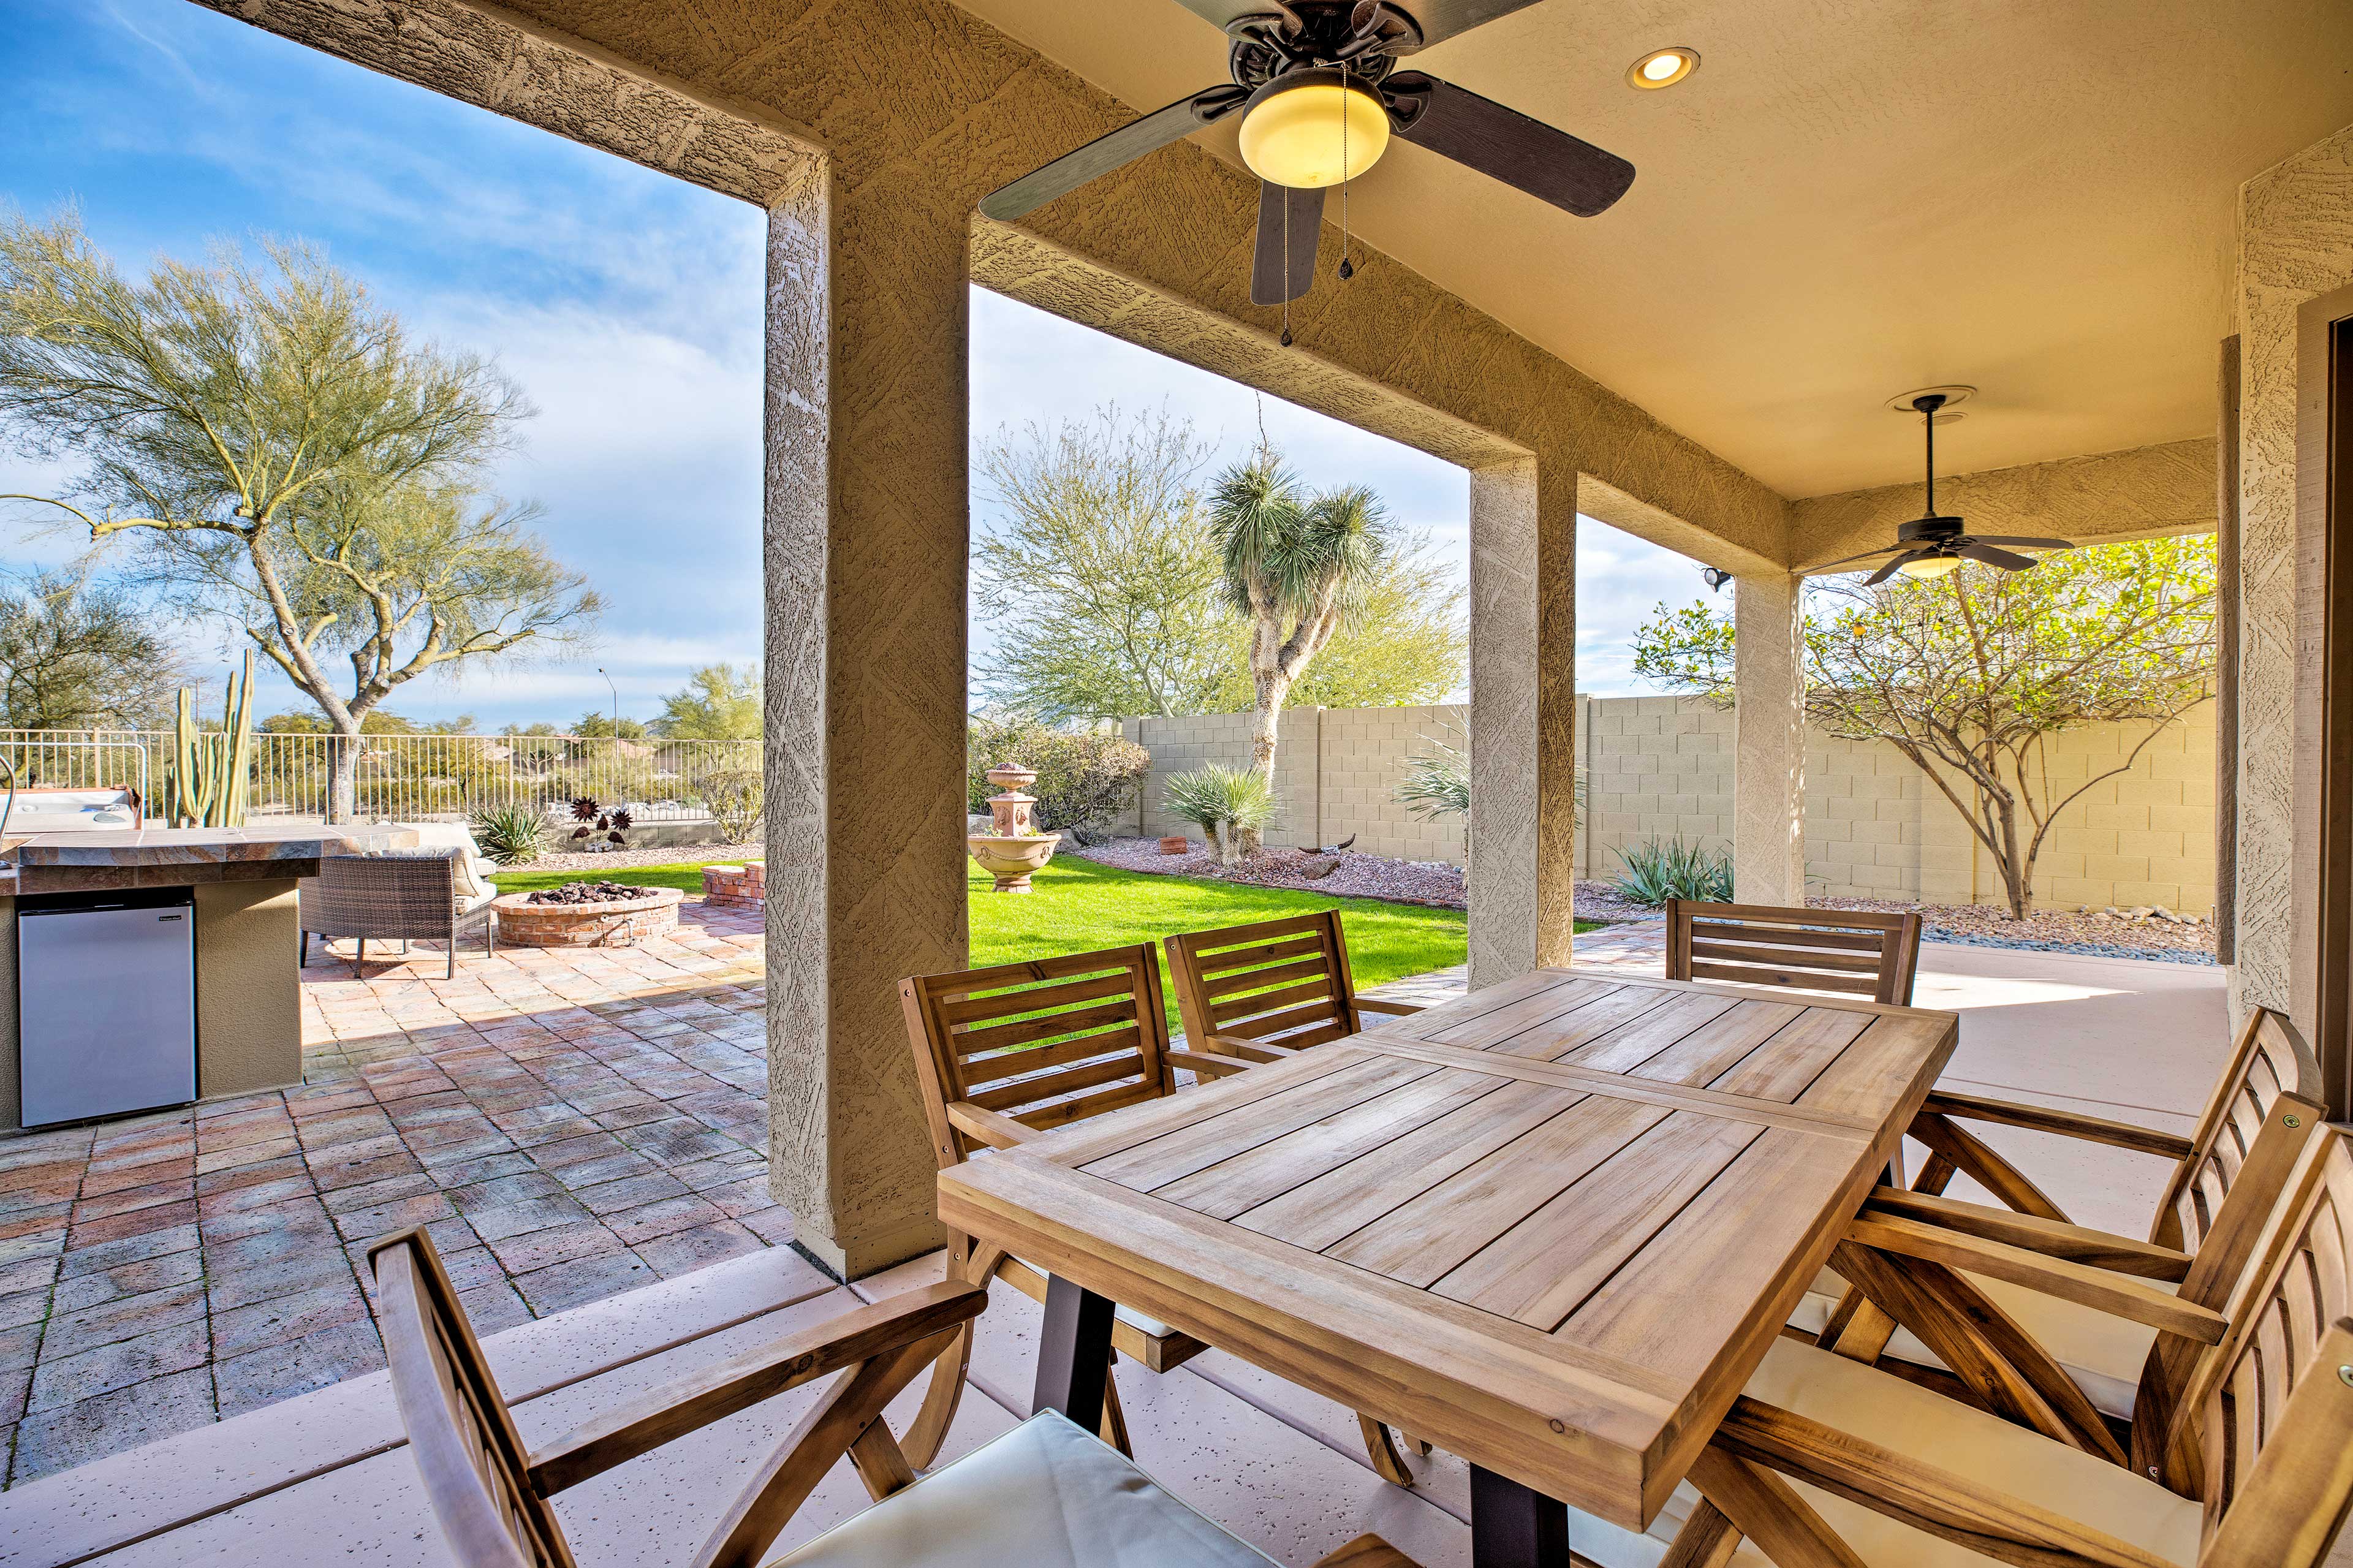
[1436, 883]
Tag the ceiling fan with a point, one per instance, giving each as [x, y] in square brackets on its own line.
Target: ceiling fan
[1316, 84]
[1931, 546]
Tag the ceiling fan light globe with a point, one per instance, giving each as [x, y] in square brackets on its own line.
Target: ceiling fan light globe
[1929, 566]
[1313, 128]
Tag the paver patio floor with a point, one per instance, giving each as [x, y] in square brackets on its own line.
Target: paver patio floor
[571, 1123]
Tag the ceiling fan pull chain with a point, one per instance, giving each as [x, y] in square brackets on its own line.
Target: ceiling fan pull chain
[1347, 267]
[1286, 267]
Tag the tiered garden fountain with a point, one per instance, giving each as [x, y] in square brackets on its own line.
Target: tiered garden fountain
[1013, 849]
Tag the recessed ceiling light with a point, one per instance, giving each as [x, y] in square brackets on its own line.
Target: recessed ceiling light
[1662, 68]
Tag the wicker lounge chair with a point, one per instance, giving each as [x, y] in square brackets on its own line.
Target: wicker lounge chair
[440, 890]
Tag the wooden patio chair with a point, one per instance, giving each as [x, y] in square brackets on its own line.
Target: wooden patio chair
[1006, 1053]
[2084, 1348]
[1824, 1462]
[1019, 1499]
[1871, 955]
[1274, 985]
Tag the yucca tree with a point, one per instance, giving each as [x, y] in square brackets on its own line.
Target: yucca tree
[1296, 567]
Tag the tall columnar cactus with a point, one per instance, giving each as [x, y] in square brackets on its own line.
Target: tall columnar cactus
[209, 771]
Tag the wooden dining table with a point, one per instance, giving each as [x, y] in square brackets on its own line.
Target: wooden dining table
[1551, 1226]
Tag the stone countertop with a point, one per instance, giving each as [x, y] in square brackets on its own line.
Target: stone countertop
[151, 846]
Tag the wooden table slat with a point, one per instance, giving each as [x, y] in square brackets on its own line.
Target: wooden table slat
[1551, 1226]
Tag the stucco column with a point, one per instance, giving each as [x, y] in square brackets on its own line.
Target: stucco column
[1522, 719]
[1768, 746]
[866, 520]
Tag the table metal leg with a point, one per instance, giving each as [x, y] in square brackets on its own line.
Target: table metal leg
[1074, 1354]
[1515, 1526]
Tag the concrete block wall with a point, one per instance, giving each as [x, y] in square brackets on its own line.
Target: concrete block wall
[1656, 767]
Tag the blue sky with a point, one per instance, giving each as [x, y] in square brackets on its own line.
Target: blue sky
[625, 302]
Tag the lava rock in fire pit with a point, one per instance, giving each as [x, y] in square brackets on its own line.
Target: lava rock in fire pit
[589, 893]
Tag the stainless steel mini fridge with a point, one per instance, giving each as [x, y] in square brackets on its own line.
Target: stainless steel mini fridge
[107, 1002]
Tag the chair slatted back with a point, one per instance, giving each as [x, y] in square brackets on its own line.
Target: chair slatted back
[2270, 1060]
[1872, 955]
[1047, 1042]
[1274, 982]
[2274, 1400]
[475, 1467]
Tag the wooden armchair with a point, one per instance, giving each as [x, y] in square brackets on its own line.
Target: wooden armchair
[2054, 1324]
[1274, 985]
[1871, 955]
[1822, 1462]
[1012, 1500]
[1006, 1053]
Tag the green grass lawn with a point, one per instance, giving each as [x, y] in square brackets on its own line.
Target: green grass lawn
[1079, 905]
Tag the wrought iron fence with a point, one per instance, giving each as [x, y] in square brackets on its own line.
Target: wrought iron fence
[404, 777]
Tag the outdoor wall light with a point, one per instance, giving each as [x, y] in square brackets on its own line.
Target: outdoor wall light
[1662, 68]
[1714, 576]
[1309, 129]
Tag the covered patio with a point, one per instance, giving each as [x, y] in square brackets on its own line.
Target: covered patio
[1711, 374]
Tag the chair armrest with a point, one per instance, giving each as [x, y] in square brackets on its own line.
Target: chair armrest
[2115, 1294]
[1366, 1552]
[694, 1401]
[995, 1131]
[1250, 1051]
[1377, 1005]
[1922, 1496]
[2066, 1124]
[1208, 1064]
[2050, 1238]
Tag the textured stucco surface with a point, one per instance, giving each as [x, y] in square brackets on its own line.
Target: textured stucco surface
[1768, 763]
[2137, 494]
[2296, 225]
[248, 993]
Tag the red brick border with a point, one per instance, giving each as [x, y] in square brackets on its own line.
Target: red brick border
[736, 887]
[618, 924]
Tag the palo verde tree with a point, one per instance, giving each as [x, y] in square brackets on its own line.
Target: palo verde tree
[1971, 675]
[279, 452]
[76, 654]
[1297, 567]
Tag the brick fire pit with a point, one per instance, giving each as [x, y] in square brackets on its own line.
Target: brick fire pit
[618, 923]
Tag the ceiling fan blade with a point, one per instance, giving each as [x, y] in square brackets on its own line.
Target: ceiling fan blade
[2013, 539]
[1979, 550]
[1436, 19]
[1104, 153]
[1506, 145]
[1884, 573]
[1271, 281]
[1847, 560]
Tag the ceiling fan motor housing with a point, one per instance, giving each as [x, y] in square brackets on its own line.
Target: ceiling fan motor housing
[1929, 530]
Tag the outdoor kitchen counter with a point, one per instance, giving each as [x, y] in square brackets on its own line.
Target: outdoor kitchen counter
[248, 994]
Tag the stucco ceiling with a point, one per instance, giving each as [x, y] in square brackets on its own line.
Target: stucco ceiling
[1848, 199]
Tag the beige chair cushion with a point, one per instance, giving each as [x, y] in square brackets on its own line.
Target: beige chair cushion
[472, 868]
[1137, 1321]
[1933, 1430]
[2102, 1352]
[1045, 1495]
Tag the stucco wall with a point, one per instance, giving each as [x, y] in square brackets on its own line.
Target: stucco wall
[2295, 245]
[1656, 767]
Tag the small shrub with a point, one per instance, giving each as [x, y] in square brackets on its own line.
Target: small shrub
[1219, 800]
[511, 834]
[1437, 783]
[1656, 871]
[737, 799]
[1083, 775]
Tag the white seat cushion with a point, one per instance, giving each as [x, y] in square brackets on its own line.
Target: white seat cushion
[2104, 1353]
[1045, 1495]
[1137, 1321]
[473, 870]
[1933, 1430]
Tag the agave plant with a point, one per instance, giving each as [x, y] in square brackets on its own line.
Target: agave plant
[1658, 870]
[1223, 802]
[511, 834]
